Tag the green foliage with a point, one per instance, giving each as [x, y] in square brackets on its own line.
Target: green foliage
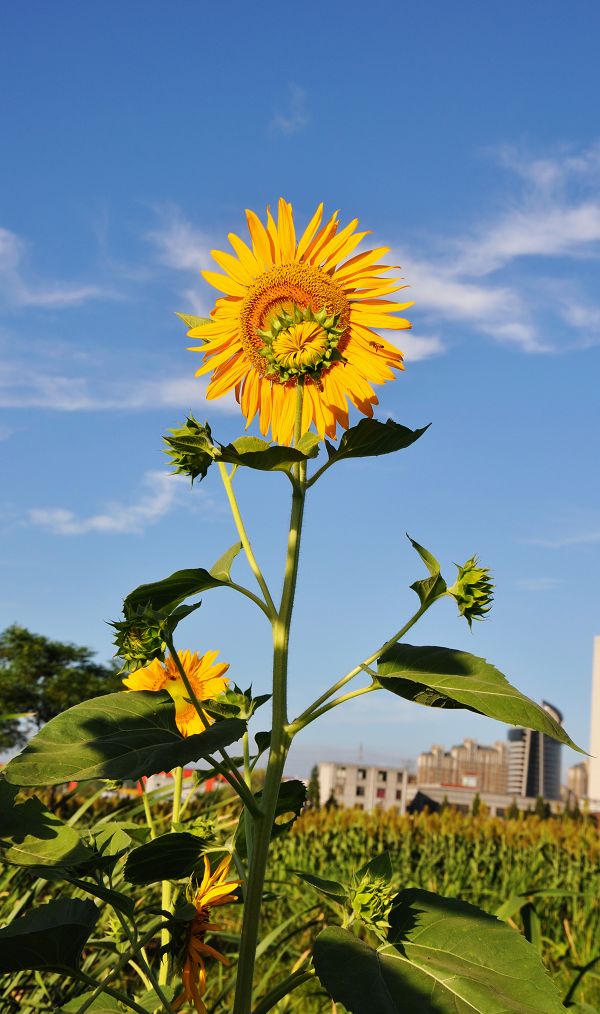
[443, 957]
[42, 678]
[119, 736]
[433, 587]
[313, 793]
[30, 835]
[370, 438]
[472, 590]
[168, 857]
[445, 678]
[51, 936]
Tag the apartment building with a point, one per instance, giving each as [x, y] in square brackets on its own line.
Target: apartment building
[469, 766]
[365, 787]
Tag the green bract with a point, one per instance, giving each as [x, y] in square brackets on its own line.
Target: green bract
[472, 590]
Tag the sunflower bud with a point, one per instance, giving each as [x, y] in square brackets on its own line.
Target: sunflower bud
[140, 637]
[191, 449]
[473, 590]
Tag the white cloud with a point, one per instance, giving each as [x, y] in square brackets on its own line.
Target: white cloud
[417, 347]
[23, 388]
[556, 216]
[179, 244]
[22, 292]
[538, 584]
[158, 498]
[295, 116]
[586, 538]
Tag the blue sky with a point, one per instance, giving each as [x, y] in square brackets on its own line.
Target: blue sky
[466, 138]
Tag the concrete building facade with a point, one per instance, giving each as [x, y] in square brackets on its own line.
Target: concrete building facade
[594, 761]
[365, 786]
[534, 761]
[469, 766]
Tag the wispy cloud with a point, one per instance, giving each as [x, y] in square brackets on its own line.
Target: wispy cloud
[158, 497]
[555, 217]
[23, 388]
[590, 537]
[294, 117]
[20, 288]
[417, 347]
[178, 243]
[538, 584]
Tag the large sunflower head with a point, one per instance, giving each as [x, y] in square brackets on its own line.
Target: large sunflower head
[213, 890]
[300, 311]
[205, 678]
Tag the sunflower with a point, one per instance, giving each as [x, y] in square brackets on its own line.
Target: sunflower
[299, 311]
[212, 891]
[205, 678]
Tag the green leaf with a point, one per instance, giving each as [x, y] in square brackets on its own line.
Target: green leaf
[444, 957]
[429, 588]
[49, 937]
[446, 678]
[193, 321]
[290, 801]
[165, 595]
[150, 1001]
[119, 736]
[252, 452]
[222, 568]
[379, 868]
[33, 836]
[371, 437]
[169, 857]
[330, 888]
[103, 1004]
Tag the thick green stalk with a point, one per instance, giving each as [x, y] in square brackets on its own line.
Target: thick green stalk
[280, 742]
[282, 989]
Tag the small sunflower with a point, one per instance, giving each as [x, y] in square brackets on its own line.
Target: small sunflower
[206, 680]
[299, 311]
[212, 891]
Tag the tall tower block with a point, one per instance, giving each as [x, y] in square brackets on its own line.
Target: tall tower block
[594, 761]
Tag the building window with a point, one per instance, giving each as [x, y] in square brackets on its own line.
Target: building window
[361, 774]
[399, 776]
[358, 806]
[360, 790]
[382, 776]
[340, 773]
[398, 793]
[381, 793]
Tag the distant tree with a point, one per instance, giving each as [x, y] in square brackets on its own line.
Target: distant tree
[513, 811]
[313, 793]
[476, 805]
[444, 805]
[542, 808]
[331, 803]
[41, 678]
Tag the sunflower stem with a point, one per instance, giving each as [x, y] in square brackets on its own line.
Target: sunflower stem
[361, 667]
[280, 742]
[147, 810]
[167, 887]
[282, 989]
[239, 524]
[302, 723]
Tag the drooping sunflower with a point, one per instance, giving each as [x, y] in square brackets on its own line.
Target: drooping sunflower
[299, 311]
[206, 680]
[212, 891]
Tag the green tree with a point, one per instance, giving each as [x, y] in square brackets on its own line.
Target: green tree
[313, 792]
[476, 805]
[542, 808]
[513, 811]
[41, 678]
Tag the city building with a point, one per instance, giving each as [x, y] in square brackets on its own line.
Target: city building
[577, 780]
[594, 761]
[469, 766]
[534, 761]
[365, 787]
